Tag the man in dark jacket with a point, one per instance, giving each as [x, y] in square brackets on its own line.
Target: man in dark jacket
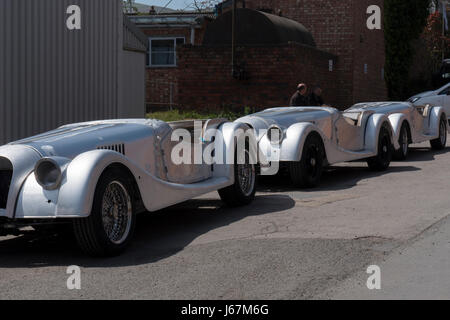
[315, 98]
[300, 99]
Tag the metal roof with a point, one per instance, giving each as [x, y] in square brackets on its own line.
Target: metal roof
[133, 38]
[170, 20]
[256, 28]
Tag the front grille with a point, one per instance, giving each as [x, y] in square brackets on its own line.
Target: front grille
[5, 181]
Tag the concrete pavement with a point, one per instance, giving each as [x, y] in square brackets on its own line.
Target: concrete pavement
[289, 244]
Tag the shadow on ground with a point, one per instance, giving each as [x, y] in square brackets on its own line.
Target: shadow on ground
[158, 235]
[339, 177]
[165, 233]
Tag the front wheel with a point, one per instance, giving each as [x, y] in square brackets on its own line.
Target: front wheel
[441, 142]
[383, 159]
[308, 171]
[110, 227]
[402, 153]
[242, 192]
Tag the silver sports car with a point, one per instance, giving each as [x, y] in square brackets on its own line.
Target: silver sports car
[99, 175]
[308, 138]
[411, 123]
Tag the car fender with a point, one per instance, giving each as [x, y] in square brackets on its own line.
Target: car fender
[374, 124]
[75, 196]
[434, 119]
[230, 134]
[291, 148]
[396, 120]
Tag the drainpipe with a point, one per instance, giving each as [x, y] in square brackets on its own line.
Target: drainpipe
[192, 35]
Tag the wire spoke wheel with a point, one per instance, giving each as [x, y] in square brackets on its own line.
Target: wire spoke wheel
[246, 175]
[242, 191]
[116, 212]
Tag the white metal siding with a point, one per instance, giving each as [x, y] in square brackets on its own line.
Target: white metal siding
[50, 75]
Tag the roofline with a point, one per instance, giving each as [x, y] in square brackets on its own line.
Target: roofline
[170, 14]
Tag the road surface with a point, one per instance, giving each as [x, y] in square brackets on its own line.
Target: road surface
[289, 244]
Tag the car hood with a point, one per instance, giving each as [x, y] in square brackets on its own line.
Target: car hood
[72, 140]
[380, 107]
[423, 95]
[286, 117]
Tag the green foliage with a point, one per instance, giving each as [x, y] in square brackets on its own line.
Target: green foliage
[178, 115]
[404, 21]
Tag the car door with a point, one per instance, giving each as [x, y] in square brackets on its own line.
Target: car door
[350, 131]
[196, 169]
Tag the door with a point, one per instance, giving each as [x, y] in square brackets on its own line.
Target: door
[349, 131]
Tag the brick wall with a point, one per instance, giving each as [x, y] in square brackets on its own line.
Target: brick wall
[162, 83]
[337, 27]
[368, 49]
[205, 82]
[161, 88]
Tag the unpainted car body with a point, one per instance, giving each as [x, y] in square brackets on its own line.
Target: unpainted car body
[439, 97]
[410, 123]
[139, 150]
[340, 136]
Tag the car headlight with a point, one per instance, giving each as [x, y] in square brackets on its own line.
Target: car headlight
[48, 174]
[275, 135]
[412, 100]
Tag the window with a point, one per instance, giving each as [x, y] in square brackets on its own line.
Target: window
[162, 51]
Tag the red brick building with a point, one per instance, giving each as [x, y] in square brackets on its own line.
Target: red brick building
[347, 59]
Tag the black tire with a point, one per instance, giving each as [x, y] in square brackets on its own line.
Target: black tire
[242, 192]
[403, 140]
[441, 142]
[383, 159]
[91, 233]
[307, 172]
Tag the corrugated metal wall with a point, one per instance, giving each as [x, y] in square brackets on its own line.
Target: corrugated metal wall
[50, 75]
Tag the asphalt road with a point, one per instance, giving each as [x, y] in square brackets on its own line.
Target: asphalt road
[290, 244]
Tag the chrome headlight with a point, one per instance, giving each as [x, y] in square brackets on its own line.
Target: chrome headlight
[48, 173]
[275, 135]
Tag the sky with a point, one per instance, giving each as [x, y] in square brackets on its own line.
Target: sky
[175, 4]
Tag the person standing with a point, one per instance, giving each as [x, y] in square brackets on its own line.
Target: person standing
[315, 98]
[300, 98]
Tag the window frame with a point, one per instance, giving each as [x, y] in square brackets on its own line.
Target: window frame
[174, 39]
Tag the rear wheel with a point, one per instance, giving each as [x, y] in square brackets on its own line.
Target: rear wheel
[402, 153]
[383, 159]
[110, 227]
[441, 142]
[308, 171]
[242, 192]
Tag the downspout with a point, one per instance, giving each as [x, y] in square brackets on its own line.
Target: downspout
[192, 35]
